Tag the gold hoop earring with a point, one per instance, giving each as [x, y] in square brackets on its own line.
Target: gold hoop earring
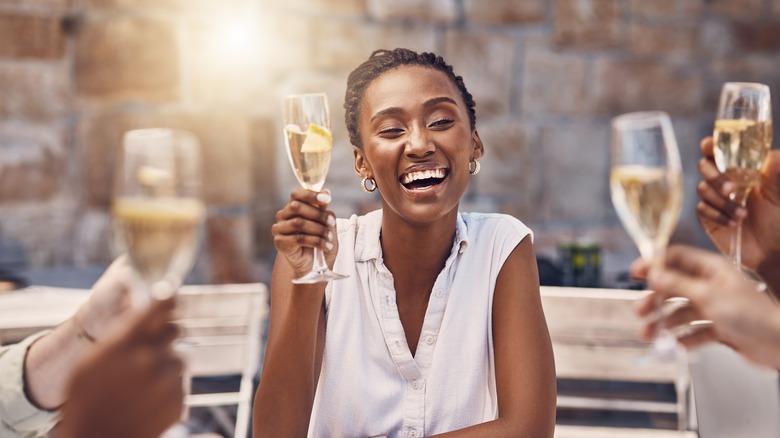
[474, 167]
[368, 184]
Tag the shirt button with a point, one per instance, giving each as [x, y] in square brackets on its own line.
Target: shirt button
[439, 293]
[429, 340]
[416, 384]
[413, 433]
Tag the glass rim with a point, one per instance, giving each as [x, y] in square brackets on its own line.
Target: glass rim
[300, 95]
[749, 85]
[641, 119]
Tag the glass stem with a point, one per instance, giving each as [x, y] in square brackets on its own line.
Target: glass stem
[736, 245]
[319, 265]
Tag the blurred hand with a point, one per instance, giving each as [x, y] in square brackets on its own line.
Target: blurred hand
[718, 215]
[741, 317]
[130, 386]
[305, 223]
[110, 298]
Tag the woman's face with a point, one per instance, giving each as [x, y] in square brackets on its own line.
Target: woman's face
[417, 142]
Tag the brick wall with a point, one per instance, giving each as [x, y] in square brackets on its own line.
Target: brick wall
[547, 77]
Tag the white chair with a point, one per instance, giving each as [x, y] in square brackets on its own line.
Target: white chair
[594, 337]
[222, 330]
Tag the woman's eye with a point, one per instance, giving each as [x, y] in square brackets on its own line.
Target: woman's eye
[441, 123]
[391, 132]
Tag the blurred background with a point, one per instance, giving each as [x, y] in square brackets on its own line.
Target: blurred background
[547, 77]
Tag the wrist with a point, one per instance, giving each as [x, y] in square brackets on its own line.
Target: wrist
[88, 324]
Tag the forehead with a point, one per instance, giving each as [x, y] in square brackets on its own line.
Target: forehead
[409, 85]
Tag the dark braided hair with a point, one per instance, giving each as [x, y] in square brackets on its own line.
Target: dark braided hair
[382, 61]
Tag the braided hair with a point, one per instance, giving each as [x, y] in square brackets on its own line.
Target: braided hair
[382, 61]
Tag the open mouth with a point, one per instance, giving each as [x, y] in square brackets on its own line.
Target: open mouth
[423, 179]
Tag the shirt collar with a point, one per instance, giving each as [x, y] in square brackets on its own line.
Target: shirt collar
[368, 247]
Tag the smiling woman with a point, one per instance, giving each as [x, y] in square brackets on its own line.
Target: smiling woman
[439, 328]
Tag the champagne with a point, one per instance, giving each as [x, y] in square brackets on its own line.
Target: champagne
[740, 149]
[159, 234]
[309, 154]
[648, 201]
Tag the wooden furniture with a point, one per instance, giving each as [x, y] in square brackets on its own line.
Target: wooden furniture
[594, 336]
[222, 330]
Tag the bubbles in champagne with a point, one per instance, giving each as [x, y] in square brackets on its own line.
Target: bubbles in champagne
[741, 146]
[159, 234]
[648, 201]
[309, 154]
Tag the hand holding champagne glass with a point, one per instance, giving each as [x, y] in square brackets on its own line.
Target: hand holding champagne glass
[646, 186]
[309, 145]
[157, 210]
[742, 138]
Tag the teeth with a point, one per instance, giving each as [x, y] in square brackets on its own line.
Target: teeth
[423, 174]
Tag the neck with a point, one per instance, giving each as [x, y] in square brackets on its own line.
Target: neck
[417, 248]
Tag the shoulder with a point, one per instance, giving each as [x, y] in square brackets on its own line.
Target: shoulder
[502, 226]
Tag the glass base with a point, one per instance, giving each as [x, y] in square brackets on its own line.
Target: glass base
[319, 277]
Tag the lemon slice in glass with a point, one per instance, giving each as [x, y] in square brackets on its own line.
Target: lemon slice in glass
[734, 124]
[318, 139]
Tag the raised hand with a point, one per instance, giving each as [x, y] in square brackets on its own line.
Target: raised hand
[130, 386]
[742, 317]
[303, 224]
[761, 219]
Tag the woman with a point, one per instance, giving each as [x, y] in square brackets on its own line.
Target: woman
[439, 327]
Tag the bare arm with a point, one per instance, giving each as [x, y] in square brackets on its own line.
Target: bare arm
[51, 360]
[525, 368]
[296, 335]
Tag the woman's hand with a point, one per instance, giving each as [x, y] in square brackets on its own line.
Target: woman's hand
[740, 316]
[761, 219]
[303, 224]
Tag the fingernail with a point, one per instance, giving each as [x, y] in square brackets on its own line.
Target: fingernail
[331, 221]
[329, 246]
[330, 236]
[741, 212]
[727, 188]
[323, 198]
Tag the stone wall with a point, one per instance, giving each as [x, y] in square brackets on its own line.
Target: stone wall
[547, 77]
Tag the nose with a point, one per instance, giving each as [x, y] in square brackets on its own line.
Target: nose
[419, 144]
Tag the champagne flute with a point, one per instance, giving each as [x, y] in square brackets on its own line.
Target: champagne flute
[157, 211]
[742, 138]
[646, 186]
[309, 145]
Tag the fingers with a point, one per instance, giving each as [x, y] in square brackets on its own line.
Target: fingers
[693, 261]
[305, 221]
[706, 146]
[714, 191]
[639, 269]
[696, 335]
[681, 314]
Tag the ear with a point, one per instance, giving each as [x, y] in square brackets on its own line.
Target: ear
[362, 169]
[478, 150]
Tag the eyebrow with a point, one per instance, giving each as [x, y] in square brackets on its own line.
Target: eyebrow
[427, 104]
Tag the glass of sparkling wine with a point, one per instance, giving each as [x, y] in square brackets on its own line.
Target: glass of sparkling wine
[309, 144]
[646, 185]
[742, 138]
[157, 211]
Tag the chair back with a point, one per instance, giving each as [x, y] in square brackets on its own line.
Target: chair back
[222, 327]
[594, 334]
